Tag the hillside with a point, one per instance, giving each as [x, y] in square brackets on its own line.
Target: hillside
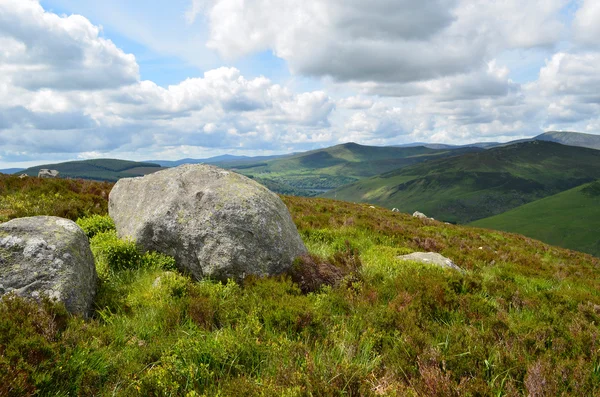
[98, 169]
[571, 138]
[478, 185]
[521, 320]
[569, 219]
[9, 171]
[324, 169]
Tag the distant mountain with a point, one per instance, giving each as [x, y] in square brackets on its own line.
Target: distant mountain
[571, 138]
[570, 219]
[225, 158]
[478, 185]
[483, 145]
[11, 170]
[324, 169]
[98, 169]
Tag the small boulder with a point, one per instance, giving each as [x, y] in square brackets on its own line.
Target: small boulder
[431, 258]
[421, 215]
[215, 223]
[395, 210]
[47, 255]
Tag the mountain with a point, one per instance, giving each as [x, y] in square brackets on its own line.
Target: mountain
[571, 138]
[328, 168]
[225, 158]
[569, 219]
[98, 169]
[483, 145]
[478, 185]
[9, 171]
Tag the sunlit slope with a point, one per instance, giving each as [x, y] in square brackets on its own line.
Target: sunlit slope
[568, 219]
[478, 185]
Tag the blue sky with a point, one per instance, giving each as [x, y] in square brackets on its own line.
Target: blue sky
[195, 78]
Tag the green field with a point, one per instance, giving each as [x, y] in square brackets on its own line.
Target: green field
[521, 320]
[97, 169]
[569, 219]
[478, 185]
[310, 172]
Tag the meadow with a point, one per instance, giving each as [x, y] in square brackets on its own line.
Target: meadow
[521, 320]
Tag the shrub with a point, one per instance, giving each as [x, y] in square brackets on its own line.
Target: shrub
[112, 253]
[95, 224]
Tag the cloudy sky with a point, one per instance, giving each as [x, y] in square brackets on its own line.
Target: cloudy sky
[151, 79]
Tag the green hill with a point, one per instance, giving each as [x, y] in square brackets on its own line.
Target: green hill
[522, 319]
[478, 185]
[569, 219]
[98, 169]
[335, 166]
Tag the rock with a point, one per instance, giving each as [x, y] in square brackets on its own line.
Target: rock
[395, 210]
[46, 255]
[431, 258]
[421, 215]
[46, 173]
[215, 223]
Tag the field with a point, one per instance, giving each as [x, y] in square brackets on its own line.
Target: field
[521, 320]
[569, 219]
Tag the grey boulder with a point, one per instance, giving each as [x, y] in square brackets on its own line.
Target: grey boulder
[51, 256]
[215, 223]
[431, 258]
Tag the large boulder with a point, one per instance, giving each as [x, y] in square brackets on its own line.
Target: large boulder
[215, 223]
[46, 255]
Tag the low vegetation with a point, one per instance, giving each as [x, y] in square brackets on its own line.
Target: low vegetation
[67, 198]
[350, 319]
[570, 219]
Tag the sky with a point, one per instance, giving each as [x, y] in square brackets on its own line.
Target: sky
[150, 79]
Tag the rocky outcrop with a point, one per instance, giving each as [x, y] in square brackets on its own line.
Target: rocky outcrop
[431, 258]
[421, 215]
[46, 255]
[215, 223]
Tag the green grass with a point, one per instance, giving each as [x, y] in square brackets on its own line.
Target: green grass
[97, 169]
[522, 320]
[569, 219]
[465, 188]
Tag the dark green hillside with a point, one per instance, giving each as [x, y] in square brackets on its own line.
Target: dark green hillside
[522, 320]
[332, 167]
[478, 185]
[569, 219]
[98, 169]
[571, 138]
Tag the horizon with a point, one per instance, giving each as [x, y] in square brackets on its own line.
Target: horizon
[197, 78]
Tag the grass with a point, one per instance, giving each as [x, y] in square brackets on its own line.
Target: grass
[569, 219]
[474, 186]
[522, 320]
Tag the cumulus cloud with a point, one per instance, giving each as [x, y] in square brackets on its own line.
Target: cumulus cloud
[586, 28]
[384, 40]
[44, 50]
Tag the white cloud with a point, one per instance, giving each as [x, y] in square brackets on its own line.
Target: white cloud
[586, 26]
[44, 50]
[382, 41]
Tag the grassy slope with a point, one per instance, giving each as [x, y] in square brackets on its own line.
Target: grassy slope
[522, 320]
[570, 219]
[338, 165]
[98, 169]
[478, 185]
